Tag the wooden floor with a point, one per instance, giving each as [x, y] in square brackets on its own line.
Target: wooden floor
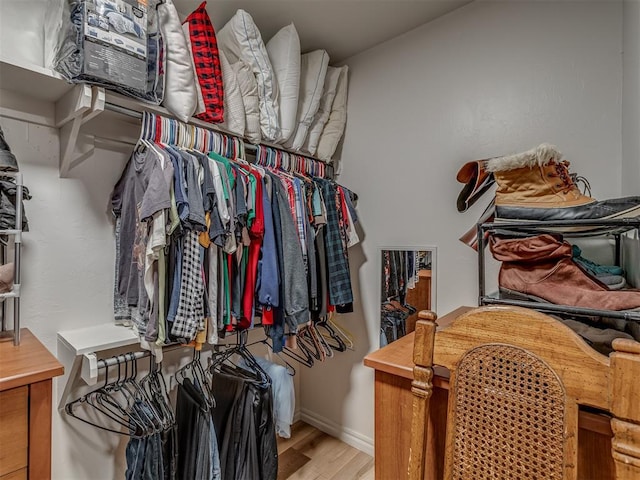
[313, 455]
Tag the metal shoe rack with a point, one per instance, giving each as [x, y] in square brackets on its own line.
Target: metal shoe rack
[5, 235]
[567, 228]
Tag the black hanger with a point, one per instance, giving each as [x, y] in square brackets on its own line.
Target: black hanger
[290, 368]
[101, 400]
[337, 344]
[305, 359]
[308, 342]
[224, 361]
[194, 373]
[156, 389]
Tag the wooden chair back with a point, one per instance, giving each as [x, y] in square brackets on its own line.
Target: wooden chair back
[517, 379]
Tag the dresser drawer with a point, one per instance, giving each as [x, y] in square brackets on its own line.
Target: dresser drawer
[14, 430]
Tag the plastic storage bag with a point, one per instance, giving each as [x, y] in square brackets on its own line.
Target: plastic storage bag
[112, 43]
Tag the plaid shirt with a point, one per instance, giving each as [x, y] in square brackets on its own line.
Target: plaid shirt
[301, 214]
[207, 63]
[190, 316]
[335, 244]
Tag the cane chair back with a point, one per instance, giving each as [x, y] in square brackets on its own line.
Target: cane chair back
[517, 379]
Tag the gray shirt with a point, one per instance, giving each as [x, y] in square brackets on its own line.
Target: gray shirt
[139, 194]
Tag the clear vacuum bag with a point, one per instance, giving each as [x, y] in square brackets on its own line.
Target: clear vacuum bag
[113, 43]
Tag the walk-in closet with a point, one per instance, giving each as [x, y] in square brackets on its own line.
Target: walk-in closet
[224, 224]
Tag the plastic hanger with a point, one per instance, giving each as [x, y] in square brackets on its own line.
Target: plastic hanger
[330, 336]
[309, 343]
[347, 337]
[99, 400]
[240, 349]
[156, 389]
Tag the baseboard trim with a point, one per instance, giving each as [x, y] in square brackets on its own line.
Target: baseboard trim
[348, 436]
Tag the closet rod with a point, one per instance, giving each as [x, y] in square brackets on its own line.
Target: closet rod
[249, 146]
[127, 357]
[110, 362]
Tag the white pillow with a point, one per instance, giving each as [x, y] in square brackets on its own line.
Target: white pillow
[180, 95]
[249, 90]
[234, 116]
[322, 115]
[240, 39]
[284, 53]
[200, 106]
[333, 130]
[313, 69]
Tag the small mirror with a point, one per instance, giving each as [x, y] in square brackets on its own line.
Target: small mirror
[408, 285]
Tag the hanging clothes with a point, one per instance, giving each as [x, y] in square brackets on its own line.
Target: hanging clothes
[198, 453]
[206, 244]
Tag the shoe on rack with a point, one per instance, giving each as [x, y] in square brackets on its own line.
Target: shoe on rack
[541, 268]
[7, 271]
[8, 162]
[536, 185]
[599, 338]
[592, 267]
[629, 326]
[476, 181]
[613, 282]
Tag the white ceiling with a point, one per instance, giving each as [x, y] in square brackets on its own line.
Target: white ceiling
[342, 27]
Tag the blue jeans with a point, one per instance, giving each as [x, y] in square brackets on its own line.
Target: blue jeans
[144, 455]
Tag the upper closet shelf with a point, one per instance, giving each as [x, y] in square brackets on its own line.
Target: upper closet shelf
[36, 82]
[86, 116]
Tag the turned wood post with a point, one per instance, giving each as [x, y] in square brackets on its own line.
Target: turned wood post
[421, 388]
[625, 407]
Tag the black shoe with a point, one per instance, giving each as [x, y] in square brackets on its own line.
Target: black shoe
[627, 207]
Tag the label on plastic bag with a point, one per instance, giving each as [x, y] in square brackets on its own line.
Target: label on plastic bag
[115, 34]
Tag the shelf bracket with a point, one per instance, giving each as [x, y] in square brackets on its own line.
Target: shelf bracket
[89, 371]
[74, 109]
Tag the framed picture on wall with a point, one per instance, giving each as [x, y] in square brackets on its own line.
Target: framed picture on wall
[407, 286]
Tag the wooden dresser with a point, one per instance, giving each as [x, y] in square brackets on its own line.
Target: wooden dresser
[26, 371]
[393, 366]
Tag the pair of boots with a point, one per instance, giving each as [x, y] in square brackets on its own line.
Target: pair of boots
[537, 185]
[542, 268]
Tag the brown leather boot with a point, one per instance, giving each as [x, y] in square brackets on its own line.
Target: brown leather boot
[541, 268]
[536, 185]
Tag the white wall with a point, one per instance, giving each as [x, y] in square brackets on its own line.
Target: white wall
[488, 79]
[631, 95]
[67, 272]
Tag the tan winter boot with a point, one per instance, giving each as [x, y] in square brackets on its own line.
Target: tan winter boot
[537, 185]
